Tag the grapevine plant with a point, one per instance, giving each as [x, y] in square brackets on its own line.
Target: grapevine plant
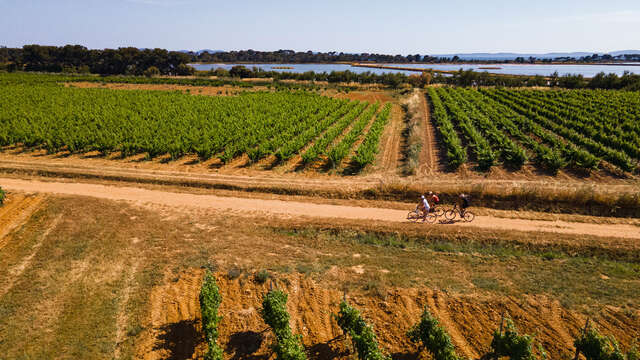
[210, 300]
[362, 335]
[511, 344]
[274, 312]
[598, 347]
[433, 337]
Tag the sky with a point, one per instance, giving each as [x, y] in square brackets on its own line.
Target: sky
[373, 26]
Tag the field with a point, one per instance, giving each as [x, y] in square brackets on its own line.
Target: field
[123, 192]
[258, 124]
[581, 130]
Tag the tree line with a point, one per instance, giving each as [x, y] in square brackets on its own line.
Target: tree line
[79, 59]
[133, 61]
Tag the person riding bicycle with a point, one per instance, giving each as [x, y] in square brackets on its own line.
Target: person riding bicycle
[434, 199]
[424, 206]
[463, 203]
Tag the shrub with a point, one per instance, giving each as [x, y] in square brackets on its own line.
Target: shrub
[2, 196]
[433, 337]
[151, 71]
[597, 347]
[262, 276]
[210, 300]
[362, 335]
[516, 347]
[274, 312]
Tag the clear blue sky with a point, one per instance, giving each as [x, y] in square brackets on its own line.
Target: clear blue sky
[391, 27]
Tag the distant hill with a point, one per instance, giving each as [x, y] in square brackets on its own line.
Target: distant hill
[512, 56]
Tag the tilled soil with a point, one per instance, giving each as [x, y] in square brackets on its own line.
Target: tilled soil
[175, 324]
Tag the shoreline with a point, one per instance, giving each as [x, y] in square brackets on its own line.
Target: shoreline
[416, 63]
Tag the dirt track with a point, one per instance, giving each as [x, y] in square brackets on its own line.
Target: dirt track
[295, 209]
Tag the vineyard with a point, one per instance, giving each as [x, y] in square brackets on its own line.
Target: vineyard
[559, 129]
[428, 335]
[259, 124]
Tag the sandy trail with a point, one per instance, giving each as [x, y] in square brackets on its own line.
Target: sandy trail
[294, 208]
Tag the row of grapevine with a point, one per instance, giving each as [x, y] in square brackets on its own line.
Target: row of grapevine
[561, 128]
[210, 299]
[577, 117]
[512, 154]
[320, 146]
[341, 150]
[296, 143]
[551, 152]
[553, 122]
[427, 333]
[485, 156]
[154, 123]
[456, 154]
[274, 313]
[364, 339]
[369, 147]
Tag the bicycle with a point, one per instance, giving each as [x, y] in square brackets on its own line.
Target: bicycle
[417, 215]
[464, 214]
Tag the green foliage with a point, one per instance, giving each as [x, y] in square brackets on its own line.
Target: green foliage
[516, 347]
[564, 129]
[456, 154]
[274, 312]
[433, 337]
[597, 347]
[369, 148]
[158, 123]
[341, 150]
[152, 71]
[210, 300]
[262, 276]
[2, 196]
[362, 335]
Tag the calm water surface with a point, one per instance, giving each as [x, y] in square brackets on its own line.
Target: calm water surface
[514, 69]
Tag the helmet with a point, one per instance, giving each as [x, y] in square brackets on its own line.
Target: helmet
[430, 192]
[422, 196]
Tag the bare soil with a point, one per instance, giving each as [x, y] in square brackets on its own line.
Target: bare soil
[388, 159]
[470, 320]
[430, 158]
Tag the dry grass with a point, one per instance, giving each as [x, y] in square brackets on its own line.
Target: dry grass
[412, 135]
[583, 198]
[105, 258]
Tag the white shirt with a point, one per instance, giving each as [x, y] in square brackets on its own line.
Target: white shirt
[426, 204]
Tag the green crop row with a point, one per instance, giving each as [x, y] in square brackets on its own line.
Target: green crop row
[369, 148]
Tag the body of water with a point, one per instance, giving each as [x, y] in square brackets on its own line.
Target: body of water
[512, 69]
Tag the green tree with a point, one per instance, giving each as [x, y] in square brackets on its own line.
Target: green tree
[151, 71]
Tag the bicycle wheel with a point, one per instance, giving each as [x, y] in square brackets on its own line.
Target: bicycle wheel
[439, 212]
[450, 214]
[469, 216]
[413, 216]
[431, 218]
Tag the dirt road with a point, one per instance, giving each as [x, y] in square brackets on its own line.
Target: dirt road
[294, 208]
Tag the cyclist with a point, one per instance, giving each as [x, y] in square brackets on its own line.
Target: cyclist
[434, 199]
[463, 203]
[424, 207]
